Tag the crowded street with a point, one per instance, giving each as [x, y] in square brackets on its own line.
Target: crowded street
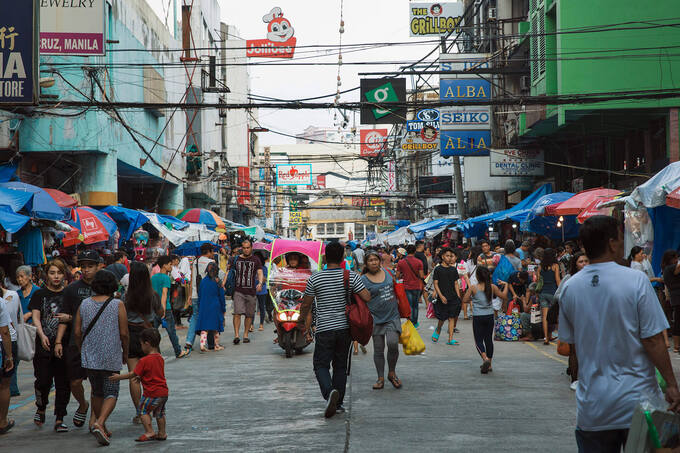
[251, 397]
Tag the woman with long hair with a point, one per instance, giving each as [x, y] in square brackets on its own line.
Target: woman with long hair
[47, 308]
[481, 296]
[549, 272]
[386, 327]
[670, 266]
[142, 305]
[211, 307]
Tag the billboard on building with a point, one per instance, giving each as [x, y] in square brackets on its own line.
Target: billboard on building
[375, 92]
[72, 27]
[294, 175]
[243, 194]
[373, 141]
[465, 143]
[321, 181]
[478, 177]
[434, 18]
[516, 162]
[19, 64]
[472, 117]
[435, 185]
[280, 42]
[427, 139]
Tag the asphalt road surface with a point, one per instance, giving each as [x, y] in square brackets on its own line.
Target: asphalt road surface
[251, 398]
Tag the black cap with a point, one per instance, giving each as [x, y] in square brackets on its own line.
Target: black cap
[88, 255]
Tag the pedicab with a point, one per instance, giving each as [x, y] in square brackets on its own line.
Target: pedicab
[290, 266]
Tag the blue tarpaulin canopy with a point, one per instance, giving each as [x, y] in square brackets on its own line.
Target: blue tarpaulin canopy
[8, 172]
[10, 221]
[42, 205]
[193, 248]
[476, 226]
[534, 222]
[14, 199]
[128, 220]
[419, 228]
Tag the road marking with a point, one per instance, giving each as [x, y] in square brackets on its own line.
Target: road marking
[22, 403]
[550, 356]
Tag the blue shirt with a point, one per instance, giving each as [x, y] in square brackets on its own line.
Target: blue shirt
[264, 283]
[160, 281]
[605, 311]
[26, 300]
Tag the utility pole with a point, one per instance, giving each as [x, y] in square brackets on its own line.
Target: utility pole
[457, 173]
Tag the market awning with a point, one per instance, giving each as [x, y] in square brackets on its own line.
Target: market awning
[62, 199]
[11, 221]
[41, 205]
[421, 228]
[581, 201]
[595, 208]
[673, 199]
[128, 220]
[205, 217]
[95, 226]
[193, 248]
[14, 199]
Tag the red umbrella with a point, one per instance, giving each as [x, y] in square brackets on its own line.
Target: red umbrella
[62, 199]
[594, 208]
[581, 201]
[90, 225]
[673, 199]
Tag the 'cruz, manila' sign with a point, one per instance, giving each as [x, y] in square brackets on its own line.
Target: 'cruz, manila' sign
[18, 52]
[72, 27]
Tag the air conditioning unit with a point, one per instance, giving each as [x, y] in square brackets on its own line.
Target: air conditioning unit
[493, 12]
[525, 83]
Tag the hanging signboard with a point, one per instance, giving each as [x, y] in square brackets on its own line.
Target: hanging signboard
[424, 118]
[465, 143]
[465, 117]
[516, 162]
[431, 18]
[375, 92]
[19, 57]
[72, 27]
[372, 141]
[243, 194]
[280, 42]
[426, 139]
[478, 178]
[374, 201]
[321, 181]
[464, 90]
[294, 175]
[462, 62]
[435, 185]
[391, 176]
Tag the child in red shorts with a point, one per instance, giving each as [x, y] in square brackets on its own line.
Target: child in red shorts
[150, 370]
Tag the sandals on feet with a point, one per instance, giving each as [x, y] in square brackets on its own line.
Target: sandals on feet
[379, 384]
[396, 382]
[60, 428]
[219, 348]
[79, 418]
[39, 418]
[246, 340]
[8, 426]
[101, 436]
[435, 337]
[145, 438]
[237, 340]
[160, 438]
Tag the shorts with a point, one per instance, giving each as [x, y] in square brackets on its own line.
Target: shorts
[135, 345]
[74, 367]
[244, 304]
[447, 311]
[546, 300]
[8, 374]
[153, 406]
[102, 387]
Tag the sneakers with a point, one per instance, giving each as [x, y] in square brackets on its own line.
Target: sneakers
[331, 404]
[416, 325]
[574, 385]
[340, 410]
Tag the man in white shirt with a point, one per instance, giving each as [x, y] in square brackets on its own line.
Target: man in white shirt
[610, 313]
[198, 268]
[8, 350]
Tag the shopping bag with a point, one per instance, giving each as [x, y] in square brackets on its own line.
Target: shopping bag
[652, 430]
[410, 339]
[402, 300]
[508, 328]
[430, 311]
[513, 308]
[25, 339]
[536, 317]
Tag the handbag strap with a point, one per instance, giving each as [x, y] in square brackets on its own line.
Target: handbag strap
[345, 283]
[96, 318]
[412, 270]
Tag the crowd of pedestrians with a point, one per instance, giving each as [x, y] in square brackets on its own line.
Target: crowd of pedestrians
[109, 317]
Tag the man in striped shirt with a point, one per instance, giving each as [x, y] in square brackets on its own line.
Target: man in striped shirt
[326, 289]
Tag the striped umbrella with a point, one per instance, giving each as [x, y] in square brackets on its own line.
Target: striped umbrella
[205, 217]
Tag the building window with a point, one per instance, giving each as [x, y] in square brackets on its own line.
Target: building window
[321, 228]
[330, 228]
[537, 39]
[339, 228]
[359, 231]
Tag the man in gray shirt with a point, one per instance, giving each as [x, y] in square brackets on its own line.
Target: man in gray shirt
[611, 315]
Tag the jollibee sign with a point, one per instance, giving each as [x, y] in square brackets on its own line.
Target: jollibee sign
[280, 42]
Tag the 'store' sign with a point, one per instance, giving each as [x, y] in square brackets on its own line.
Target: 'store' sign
[18, 52]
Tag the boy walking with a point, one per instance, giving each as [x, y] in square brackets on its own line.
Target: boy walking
[151, 371]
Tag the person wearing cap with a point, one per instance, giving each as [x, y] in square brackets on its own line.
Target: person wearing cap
[65, 345]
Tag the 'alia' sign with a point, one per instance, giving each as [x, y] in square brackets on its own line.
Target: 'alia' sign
[280, 42]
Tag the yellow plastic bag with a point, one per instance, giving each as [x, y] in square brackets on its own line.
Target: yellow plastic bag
[411, 340]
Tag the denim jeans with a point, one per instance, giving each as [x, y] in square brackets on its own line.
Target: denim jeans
[191, 331]
[610, 441]
[413, 296]
[13, 385]
[332, 347]
[172, 333]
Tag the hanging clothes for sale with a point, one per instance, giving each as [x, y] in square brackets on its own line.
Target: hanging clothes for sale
[31, 246]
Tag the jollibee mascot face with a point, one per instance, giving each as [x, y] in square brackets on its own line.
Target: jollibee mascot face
[279, 29]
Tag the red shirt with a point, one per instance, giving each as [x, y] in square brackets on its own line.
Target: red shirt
[411, 277]
[150, 370]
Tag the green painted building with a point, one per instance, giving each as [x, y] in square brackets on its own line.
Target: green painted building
[600, 49]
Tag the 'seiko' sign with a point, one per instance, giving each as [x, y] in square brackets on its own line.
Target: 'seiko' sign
[280, 42]
[18, 52]
[294, 175]
[72, 27]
